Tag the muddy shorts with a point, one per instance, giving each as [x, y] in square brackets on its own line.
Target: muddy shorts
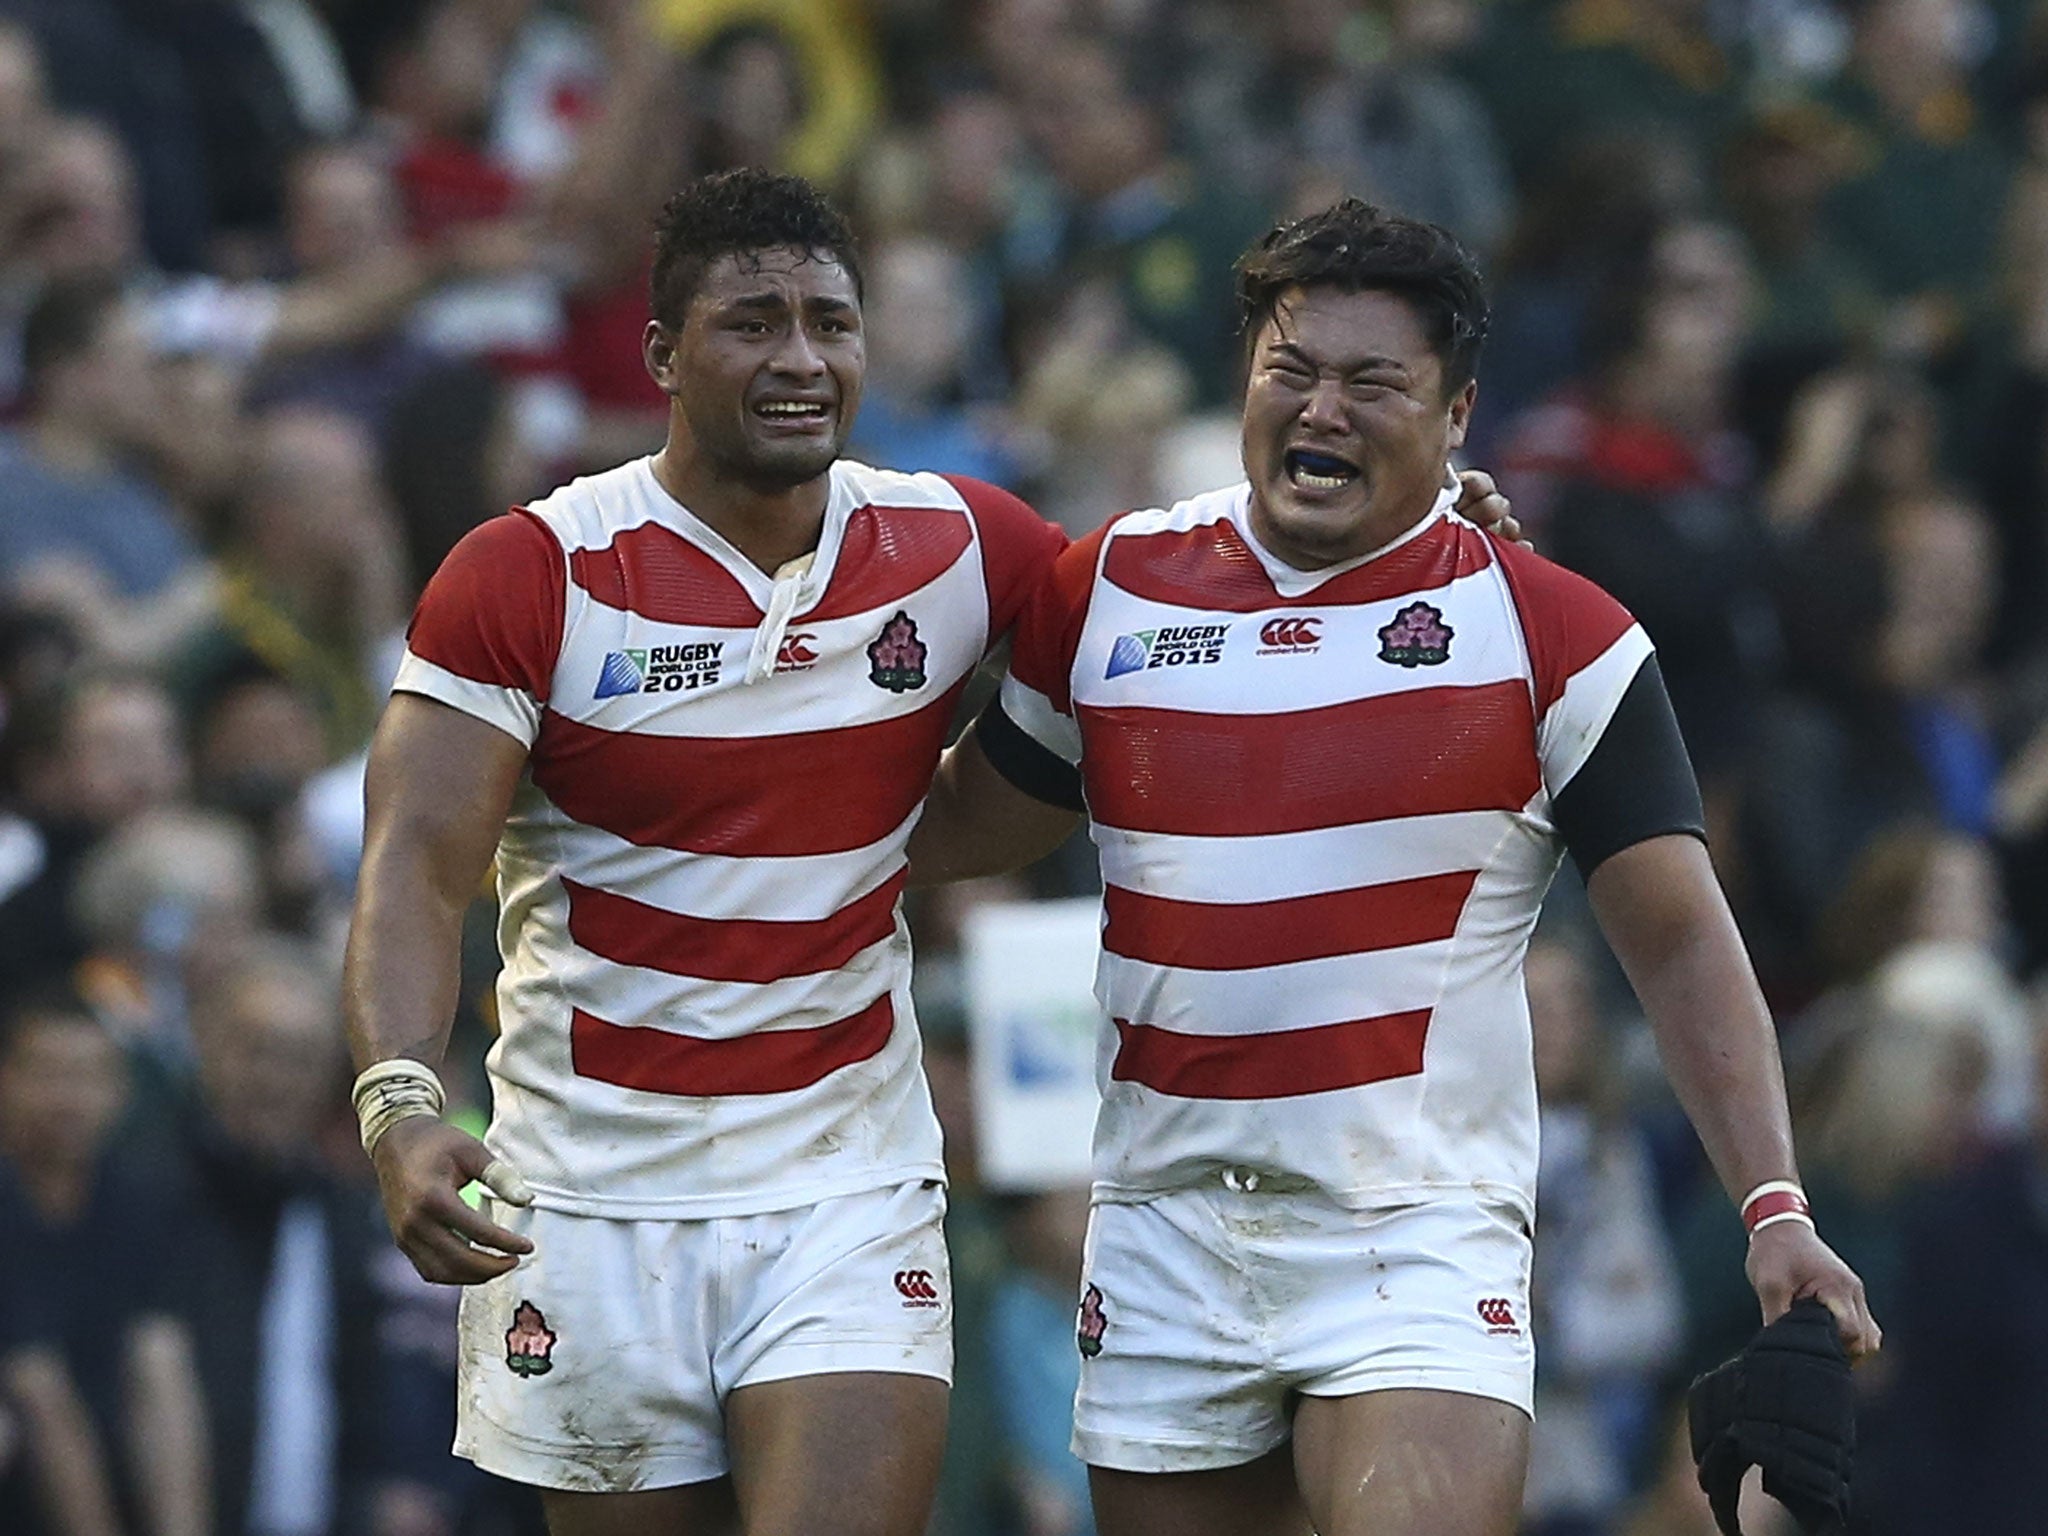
[602, 1362]
[1204, 1312]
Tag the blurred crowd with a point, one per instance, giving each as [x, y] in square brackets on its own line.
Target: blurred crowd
[293, 292]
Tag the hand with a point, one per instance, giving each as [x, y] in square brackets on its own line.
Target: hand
[423, 1163]
[1788, 1261]
[1480, 501]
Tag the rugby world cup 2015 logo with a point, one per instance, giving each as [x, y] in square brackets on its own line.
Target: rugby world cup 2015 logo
[623, 672]
[1173, 645]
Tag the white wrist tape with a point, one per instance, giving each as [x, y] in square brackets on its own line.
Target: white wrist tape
[390, 1091]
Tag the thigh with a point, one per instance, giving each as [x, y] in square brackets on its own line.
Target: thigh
[851, 1454]
[698, 1509]
[1256, 1499]
[1411, 1462]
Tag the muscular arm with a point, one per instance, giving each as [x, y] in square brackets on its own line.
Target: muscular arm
[67, 1464]
[167, 1430]
[1665, 917]
[976, 822]
[439, 785]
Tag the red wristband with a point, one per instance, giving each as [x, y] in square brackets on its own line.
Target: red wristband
[1775, 1201]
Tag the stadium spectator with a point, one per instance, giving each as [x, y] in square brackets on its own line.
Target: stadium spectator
[273, 1272]
[1922, 216]
[1117, 209]
[1323, 91]
[1637, 478]
[162, 902]
[1604, 1292]
[1972, 1397]
[85, 759]
[1902, 729]
[913, 413]
[1555, 76]
[94, 1362]
[316, 577]
[79, 530]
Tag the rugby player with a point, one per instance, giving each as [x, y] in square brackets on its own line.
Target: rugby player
[1334, 741]
[692, 706]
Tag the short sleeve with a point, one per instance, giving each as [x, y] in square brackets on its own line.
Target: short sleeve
[489, 626]
[1584, 650]
[1037, 695]
[1613, 761]
[1018, 548]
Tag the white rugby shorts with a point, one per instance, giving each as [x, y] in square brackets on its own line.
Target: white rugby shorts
[1204, 1312]
[601, 1364]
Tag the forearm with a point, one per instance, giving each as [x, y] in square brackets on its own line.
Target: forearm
[168, 1438]
[1679, 945]
[67, 1463]
[977, 823]
[402, 972]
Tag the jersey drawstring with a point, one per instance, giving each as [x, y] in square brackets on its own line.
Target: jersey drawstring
[789, 588]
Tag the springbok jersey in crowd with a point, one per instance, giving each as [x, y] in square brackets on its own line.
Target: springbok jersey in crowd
[705, 1002]
[1328, 806]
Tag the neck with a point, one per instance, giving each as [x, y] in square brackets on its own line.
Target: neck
[770, 527]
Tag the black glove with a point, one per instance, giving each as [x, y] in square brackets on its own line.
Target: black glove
[1786, 1404]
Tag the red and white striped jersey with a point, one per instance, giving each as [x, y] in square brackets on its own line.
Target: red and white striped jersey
[1323, 802]
[705, 1002]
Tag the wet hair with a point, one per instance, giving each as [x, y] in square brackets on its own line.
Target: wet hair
[1357, 248]
[734, 213]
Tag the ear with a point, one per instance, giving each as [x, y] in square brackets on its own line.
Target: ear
[1461, 412]
[658, 352]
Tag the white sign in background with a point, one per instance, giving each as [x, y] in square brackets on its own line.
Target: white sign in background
[1033, 1029]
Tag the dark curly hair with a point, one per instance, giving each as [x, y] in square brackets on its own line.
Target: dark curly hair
[1354, 247]
[735, 212]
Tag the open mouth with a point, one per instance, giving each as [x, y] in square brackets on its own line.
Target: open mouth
[794, 413]
[1311, 470]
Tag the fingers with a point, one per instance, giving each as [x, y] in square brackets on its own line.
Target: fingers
[454, 1213]
[1788, 1262]
[449, 1243]
[442, 1257]
[1475, 485]
[503, 1180]
[1851, 1310]
[423, 1167]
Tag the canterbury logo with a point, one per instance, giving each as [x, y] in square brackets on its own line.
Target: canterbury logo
[1498, 1313]
[916, 1288]
[795, 653]
[1291, 634]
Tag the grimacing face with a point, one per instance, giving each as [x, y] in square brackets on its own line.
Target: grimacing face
[1346, 424]
[767, 366]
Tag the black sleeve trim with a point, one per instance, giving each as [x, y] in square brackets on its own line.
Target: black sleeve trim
[1637, 784]
[1027, 763]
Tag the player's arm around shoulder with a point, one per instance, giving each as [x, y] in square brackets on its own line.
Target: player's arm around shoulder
[977, 822]
[439, 785]
[1664, 914]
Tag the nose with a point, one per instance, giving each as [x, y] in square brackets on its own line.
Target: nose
[798, 357]
[1324, 408]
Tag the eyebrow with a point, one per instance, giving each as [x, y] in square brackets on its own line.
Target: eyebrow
[1370, 364]
[769, 299]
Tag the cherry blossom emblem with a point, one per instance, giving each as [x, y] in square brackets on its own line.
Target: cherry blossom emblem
[1418, 637]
